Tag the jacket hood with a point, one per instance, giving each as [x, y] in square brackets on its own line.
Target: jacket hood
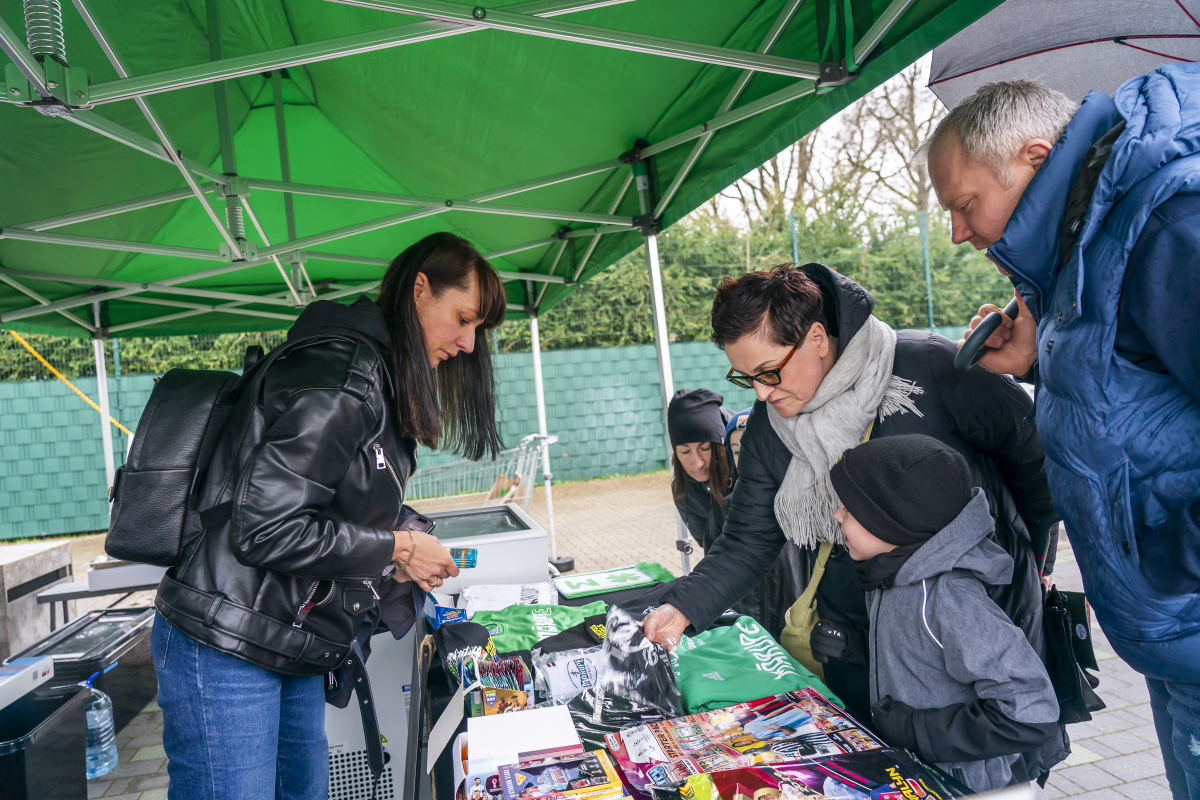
[963, 544]
[363, 317]
[1161, 110]
[847, 305]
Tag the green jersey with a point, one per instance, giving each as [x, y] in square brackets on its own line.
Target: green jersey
[521, 627]
[736, 664]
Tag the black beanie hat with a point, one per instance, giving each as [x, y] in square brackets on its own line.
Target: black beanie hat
[694, 415]
[903, 489]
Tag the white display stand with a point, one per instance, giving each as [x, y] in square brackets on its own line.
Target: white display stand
[514, 552]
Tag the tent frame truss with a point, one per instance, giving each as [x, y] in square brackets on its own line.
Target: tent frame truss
[28, 81]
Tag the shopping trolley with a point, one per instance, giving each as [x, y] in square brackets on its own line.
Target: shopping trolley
[508, 478]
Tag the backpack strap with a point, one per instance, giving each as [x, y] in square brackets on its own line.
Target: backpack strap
[357, 382]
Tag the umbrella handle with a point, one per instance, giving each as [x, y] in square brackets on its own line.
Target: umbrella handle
[973, 348]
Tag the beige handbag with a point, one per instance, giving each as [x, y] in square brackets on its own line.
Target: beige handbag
[801, 618]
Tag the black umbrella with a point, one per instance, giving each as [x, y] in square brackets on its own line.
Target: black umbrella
[1073, 46]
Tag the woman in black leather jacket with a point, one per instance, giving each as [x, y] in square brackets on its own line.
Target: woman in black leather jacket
[302, 497]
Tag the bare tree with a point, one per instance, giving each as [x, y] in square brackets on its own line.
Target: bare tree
[897, 118]
[861, 160]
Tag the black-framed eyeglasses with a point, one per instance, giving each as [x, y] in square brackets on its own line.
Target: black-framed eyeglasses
[768, 377]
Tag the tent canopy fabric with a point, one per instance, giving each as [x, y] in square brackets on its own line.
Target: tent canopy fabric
[1073, 46]
[399, 119]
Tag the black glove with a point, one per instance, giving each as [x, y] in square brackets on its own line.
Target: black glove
[894, 721]
[836, 641]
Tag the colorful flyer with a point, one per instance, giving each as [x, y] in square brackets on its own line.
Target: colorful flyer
[794, 726]
[586, 776]
[871, 775]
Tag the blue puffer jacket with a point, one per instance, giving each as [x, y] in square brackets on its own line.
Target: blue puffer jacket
[1122, 440]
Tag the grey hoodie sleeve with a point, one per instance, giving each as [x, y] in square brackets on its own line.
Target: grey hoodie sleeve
[981, 646]
[1016, 710]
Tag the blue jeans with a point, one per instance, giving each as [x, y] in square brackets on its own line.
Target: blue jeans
[234, 731]
[1176, 708]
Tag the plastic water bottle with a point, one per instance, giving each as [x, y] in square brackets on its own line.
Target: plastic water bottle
[101, 734]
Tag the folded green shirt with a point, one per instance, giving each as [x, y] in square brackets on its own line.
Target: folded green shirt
[736, 664]
[521, 627]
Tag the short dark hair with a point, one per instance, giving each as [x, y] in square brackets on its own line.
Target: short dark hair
[453, 406]
[782, 303]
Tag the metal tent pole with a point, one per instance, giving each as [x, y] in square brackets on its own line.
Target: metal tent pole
[312, 52]
[785, 16]
[503, 19]
[172, 153]
[110, 468]
[564, 563]
[795, 244]
[666, 381]
[922, 221]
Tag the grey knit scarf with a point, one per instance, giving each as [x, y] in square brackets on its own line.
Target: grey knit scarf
[859, 387]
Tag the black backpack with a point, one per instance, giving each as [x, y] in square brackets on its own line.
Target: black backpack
[154, 496]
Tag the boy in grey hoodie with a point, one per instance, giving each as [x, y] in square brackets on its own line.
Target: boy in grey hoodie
[951, 677]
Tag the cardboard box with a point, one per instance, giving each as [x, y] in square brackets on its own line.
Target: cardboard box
[22, 676]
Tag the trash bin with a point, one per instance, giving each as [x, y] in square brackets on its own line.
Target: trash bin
[43, 741]
[93, 643]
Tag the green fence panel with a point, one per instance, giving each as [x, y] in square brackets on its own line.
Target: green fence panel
[603, 403]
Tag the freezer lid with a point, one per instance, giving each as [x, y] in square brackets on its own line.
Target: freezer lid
[98, 633]
[496, 521]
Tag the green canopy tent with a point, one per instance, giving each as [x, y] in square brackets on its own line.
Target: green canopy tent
[185, 167]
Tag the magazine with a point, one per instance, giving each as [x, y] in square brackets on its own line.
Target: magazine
[789, 727]
[586, 776]
[870, 775]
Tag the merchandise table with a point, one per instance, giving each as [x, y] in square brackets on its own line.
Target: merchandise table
[431, 694]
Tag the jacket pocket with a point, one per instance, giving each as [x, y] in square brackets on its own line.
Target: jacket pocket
[1169, 531]
[357, 600]
[1120, 515]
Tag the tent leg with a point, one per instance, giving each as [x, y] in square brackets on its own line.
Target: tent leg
[563, 563]
[110, 469]
[665, 379]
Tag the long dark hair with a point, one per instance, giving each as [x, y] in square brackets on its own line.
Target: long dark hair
[719, 479]
[454, 406]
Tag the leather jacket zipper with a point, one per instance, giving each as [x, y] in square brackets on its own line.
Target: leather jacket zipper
[381, 462]
[307, 606]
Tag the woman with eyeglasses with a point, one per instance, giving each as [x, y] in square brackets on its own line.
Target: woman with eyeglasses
[828, 375]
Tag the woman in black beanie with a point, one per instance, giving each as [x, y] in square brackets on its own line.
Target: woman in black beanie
[701, 475]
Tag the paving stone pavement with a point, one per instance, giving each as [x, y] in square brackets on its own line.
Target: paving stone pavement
[613, 522]
[1115, 756]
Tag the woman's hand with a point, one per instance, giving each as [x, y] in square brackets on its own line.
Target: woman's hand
[430, 564]
[664, 625]
[1013, 347]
